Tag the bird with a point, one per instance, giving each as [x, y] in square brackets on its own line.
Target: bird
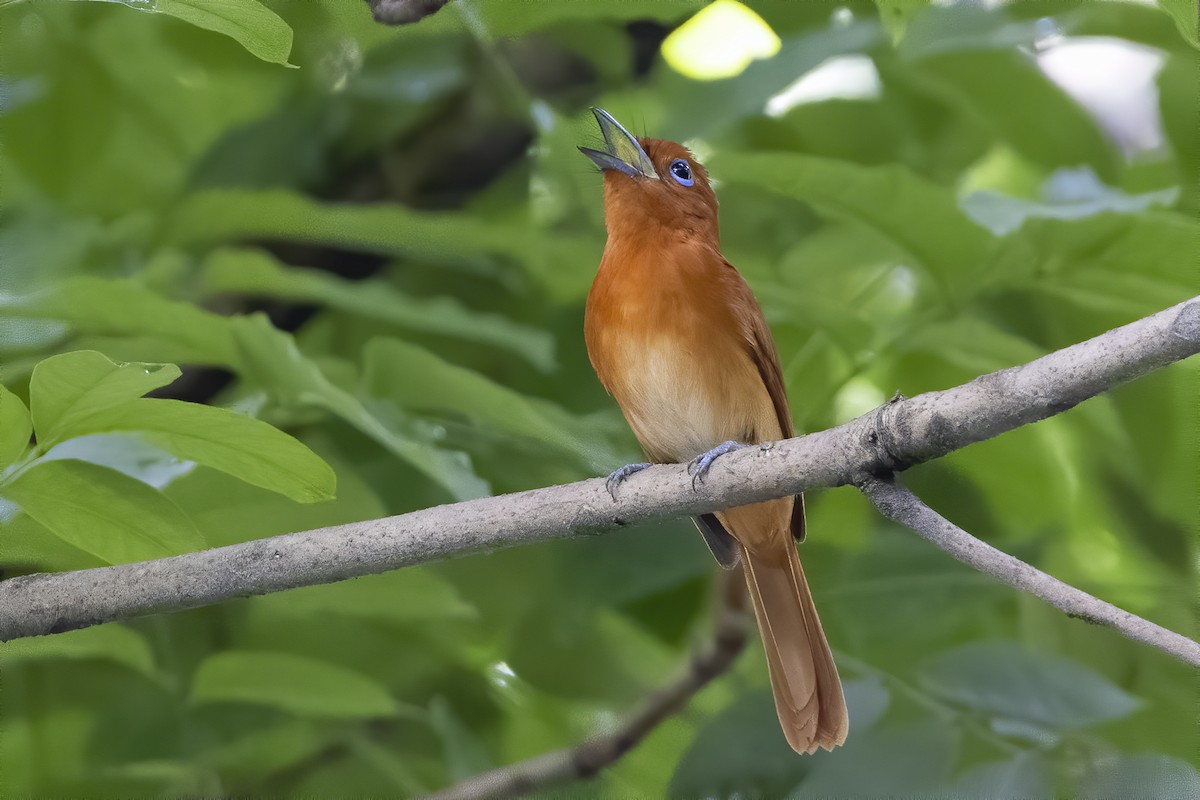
[676, 336]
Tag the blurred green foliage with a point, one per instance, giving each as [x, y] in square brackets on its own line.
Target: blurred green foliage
[385, 252]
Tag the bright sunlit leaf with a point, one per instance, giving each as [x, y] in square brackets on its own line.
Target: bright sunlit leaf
[719, 42]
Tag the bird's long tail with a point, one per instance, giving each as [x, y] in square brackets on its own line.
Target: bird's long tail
[804, 679]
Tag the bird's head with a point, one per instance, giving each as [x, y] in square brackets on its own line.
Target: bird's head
[652, 186]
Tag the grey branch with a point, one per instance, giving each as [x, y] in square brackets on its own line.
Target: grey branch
[898, 435]
[901, 505]
[586, 759]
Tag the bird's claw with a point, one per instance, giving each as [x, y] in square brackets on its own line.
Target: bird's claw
[702, 463]
[617, 477]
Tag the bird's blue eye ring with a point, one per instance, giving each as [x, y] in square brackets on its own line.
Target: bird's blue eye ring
[681, 172]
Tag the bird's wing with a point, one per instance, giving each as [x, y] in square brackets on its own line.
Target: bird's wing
[760, 346]
[725, 548]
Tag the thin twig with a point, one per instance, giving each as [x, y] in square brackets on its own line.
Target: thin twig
[898, 503]
[586, 759]
[898, 435]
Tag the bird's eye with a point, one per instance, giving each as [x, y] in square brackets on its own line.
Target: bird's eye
[681, 172]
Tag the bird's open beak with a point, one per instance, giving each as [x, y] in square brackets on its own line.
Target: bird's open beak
[623, 153]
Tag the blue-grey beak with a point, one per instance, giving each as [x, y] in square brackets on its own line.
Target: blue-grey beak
[623, 153]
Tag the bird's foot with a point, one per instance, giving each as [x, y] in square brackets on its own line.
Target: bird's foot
[702, 463]
[617, 477]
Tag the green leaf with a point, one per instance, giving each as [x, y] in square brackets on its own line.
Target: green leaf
[454, 238]
[71, 390]
[126, 308]
[1141, 776]
[259, 752]
[1120, 293]
[506, 19]
[302, 686]
[1002, 213]
[271, 357]
[967, 28]
[286, 145]
[606, 48]
[627, 565]
[419, 380]
[408, 595]
[911, 761]
[248, 512]
[682, 108]
[384, 761]
[103, 512]
[1150, 251]
[112, 642]
[1180, 120]
[27, 726]
[1008, 682]
[223, 215]
[972, 344]
[15, 428]
[917, 215]
[465, 753]
[251, 24]
[1134, 22]
[741, 751]
[42, 137]
[1007, 91]
[568, 650]
[896, 14]
[126, 453]
[153, 776]
[1025, 775]
[255, 272]
[225, 440]
[31, 547]
[1185, 15]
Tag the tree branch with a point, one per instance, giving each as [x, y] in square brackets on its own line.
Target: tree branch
[898, 503]
[586, 759]
[898, 435]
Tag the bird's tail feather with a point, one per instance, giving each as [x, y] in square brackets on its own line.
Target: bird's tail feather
[804, 679]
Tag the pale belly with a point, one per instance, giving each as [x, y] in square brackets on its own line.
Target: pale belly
[681, 402]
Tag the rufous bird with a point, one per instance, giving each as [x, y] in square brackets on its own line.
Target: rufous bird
[678, 339]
